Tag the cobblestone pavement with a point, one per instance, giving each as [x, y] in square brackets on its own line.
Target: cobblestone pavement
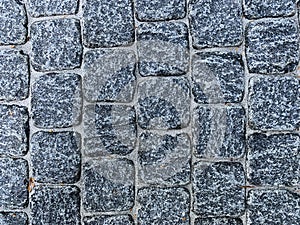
[149, 112]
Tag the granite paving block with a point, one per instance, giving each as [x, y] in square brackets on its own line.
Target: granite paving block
[55, 205]
[14, 130]
[109, 75]
[13, 22]
[109, 220]
[56, 44]
[156, 10]
[13, 218]
[164, 159]
[163, 48]
[274, 159]
[218, 77]
[56, 100]
[272, 46]
[255, 9]
[108, 185]
[166, 206]
[218, 189]
[109, 129]
[274, 103]
[216, 23]
[219, 131]
[108, 23]
[13, 183]
[39, 8]
[14, 75]
[56, 157]
[273, 207]
[218, 221]
[164, 103]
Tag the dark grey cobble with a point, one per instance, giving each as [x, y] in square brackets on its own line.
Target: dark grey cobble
[109, 220]
[218, 221]
[13, 218]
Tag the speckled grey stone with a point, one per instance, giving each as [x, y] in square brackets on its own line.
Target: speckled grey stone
[108, 185]
[13, 183]
[218, 77]
[156, 10]
[274, 103]
[39, 8]
[56, 100]
[274, 159]
[164, 103]
[109, 75]
[14, 75]
[56, 44]
[218, 221]
[166, 206]
[218, 190]
[56, 157]
[55, 205]
[109, 129]
[219, 131]
[216, 23]
[14, 130]
[255, 9]
[273, 207]
[13, 23]
[272, 46]
[108, 23]
[13, 218]
[164, 159]
[109, 220]
[163, 48]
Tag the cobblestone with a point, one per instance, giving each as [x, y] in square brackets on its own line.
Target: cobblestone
[218, 221]
[109, 220]
[13, 218]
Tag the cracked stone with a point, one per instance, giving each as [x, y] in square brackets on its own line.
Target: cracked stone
[109, 220]
[218, 221]
[13, 218]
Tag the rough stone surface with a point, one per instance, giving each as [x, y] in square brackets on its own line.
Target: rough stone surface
[274, 103]
[164, 159]
[218, 77]
[218, 190]
[56, 44]
[55, 205]
[14, 130]
[166, 206]
[56, 157]
[267, 53]
[163, 48]
[13, 190]
[218, 221]
[156, 10]
[273, 207]
[255, 9]
[274, 159]
[56, 100]
[13, 23]
[109, 75]
[164, 103]
[108, 185]
[109, 129]
[108, 23]
[109, 220]
[14, 75]
[39, 8]
[13, 218]
[218, 131]
[216, 23]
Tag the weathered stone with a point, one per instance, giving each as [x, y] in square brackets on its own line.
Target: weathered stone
[163, 48]
[56, 44]
[166, 206]
[108, 23]
[109, 129]
[109, 75]
[108, 185]
[109, 220]
[14, 130]
[56, 100]
[164, 103]
[216, 23]
[218, 189]
[56, 157]
[274, 103]
[13, 218]
[272, 46]
[218, 221]
[13, 187]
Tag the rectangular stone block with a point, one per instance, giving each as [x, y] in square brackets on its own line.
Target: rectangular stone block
[109, 220]
[13, 218]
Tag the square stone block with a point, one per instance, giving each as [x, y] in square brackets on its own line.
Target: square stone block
[218, 221]
[109, 220]
[13, 218]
